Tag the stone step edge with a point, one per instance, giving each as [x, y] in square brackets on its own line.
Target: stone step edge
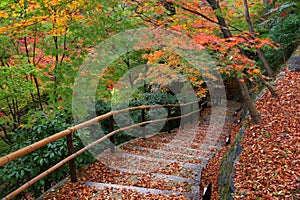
[179, 145]
[163, 151]
[184, 164]
[167, 146]
[194, 182]
[140, 189]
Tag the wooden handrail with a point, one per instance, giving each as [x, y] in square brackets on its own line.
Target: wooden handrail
[26, 150]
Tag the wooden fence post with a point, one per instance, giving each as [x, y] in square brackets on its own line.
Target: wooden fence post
[72, 163]
[144, 119]
[169, 116]
[112, 138]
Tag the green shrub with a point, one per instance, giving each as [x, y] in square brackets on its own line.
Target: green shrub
[282, 25]
[17, 172]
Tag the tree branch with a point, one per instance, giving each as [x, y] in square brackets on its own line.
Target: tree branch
[205, 17]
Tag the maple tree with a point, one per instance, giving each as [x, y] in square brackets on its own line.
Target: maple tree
[35, 39]
[43, 47]
[229, 48]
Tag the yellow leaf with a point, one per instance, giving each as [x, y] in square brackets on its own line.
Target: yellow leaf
[256, 71]
[3, 14]
[54, 2]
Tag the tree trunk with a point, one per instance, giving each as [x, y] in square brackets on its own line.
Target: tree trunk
[260, 53]
[127, 62]
[255, 116]
[266, 64]
[222, 23]
[38, 92]
[55, 70]
[268, 85]
[243, 87]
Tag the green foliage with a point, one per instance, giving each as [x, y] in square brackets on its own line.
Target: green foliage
[116, 70]
[23, 169]
[103, 107]
[144, 98]
[4, 147]
[152, 98]
[282, 25]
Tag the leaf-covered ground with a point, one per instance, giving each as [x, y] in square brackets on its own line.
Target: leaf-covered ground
[269, 166]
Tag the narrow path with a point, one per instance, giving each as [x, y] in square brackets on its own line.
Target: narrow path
[164, 166]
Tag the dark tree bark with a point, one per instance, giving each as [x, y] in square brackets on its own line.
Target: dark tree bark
[222, 22]
[260, 53]
[268, 85]
[255, 116]
[34, 78]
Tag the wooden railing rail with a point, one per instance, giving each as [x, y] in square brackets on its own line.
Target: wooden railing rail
[68, 133]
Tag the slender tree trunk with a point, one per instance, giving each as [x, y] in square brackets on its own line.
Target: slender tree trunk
[255, 116]
[243, 87]
[260, 53]
[38, 92]
[35, 79]
[31, 94]
[55, 71]
[222, 23]
[268, 85]
[18, 113]
[7, 138]
[127, 62]
[14, 109]
[145, 78]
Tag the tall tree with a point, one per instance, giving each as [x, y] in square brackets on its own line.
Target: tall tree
[255, 116]
[225, 49]
[258, 50]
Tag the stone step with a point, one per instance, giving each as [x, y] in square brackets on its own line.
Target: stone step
[173, 148]
[193, 140]
[195, 183]
[157, 159]
[138, 163]
[102, 186]
[166, 154]
[99, 172]
[182, 144]
[177, 150]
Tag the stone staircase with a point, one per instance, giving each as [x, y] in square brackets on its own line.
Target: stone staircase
[160, 166]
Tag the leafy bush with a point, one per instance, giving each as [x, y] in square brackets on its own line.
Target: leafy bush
[151, 98]
[282, 25]
[25, 168]
[103, 107]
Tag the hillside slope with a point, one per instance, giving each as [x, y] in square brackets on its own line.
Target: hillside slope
[269, 165]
